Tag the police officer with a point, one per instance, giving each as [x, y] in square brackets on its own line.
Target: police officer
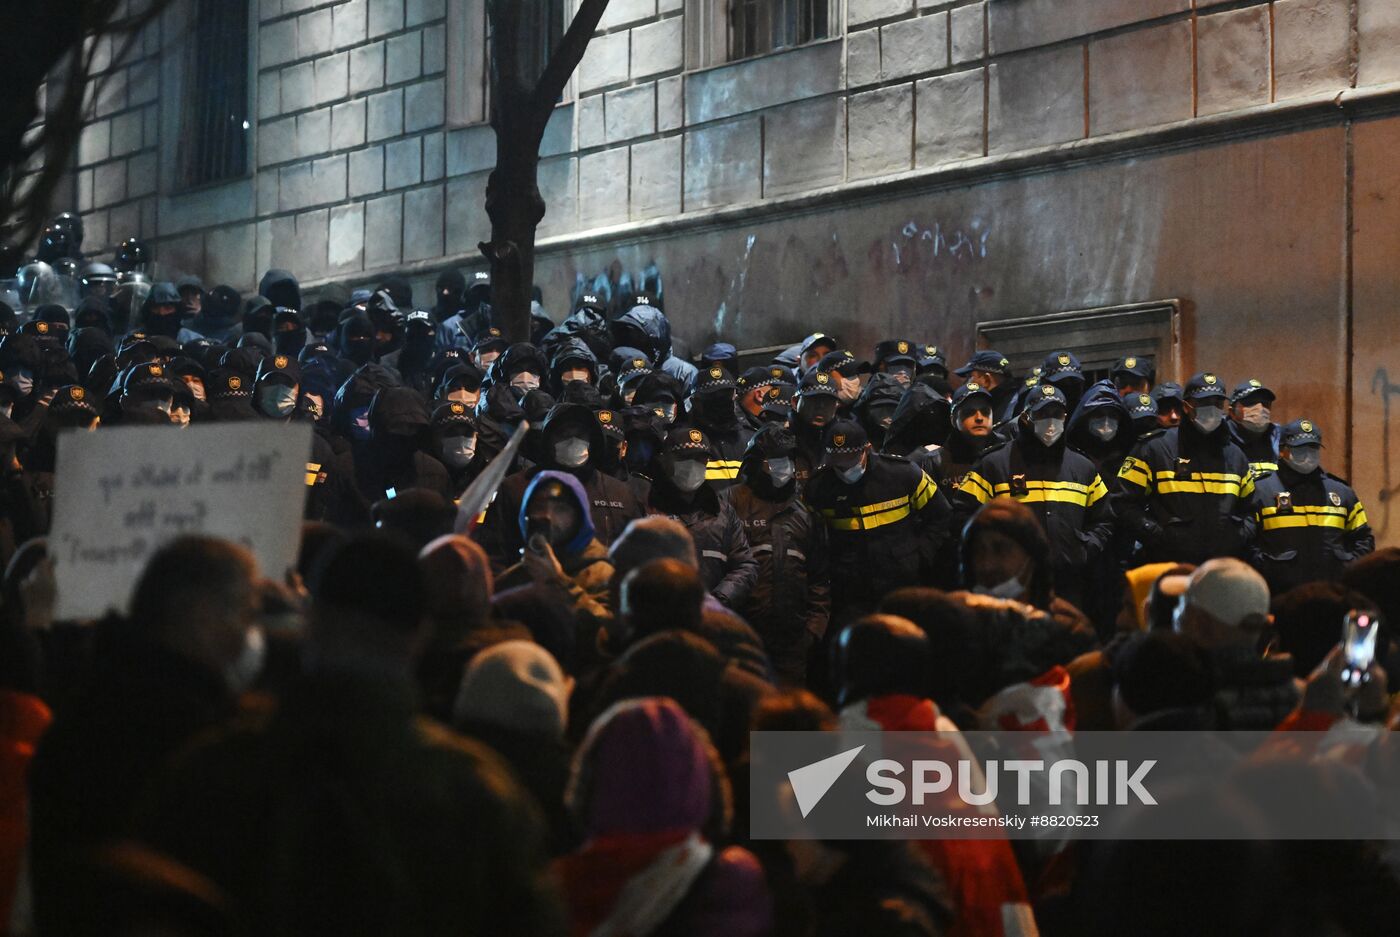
[1062, 369]
[750, 389]
[815, 347]
[1142, 410]
[277, 388]
[991, 372]
[1061, 486]
[712, 409]
[1251, 426]
[816, 409]
[791, 599]
[678, 490]
[629, 365]
[454, 443]
[1133, 375]
[1171, 403]
[1186, 495]
[885, 520]
[1311, 523]
[933, 367]
[845, 370]
[972, 433]
[895, 357]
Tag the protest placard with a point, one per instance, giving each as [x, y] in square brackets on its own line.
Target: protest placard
[120, 493]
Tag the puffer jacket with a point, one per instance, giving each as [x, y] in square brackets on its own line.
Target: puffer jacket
[791, 598]
[727, 565]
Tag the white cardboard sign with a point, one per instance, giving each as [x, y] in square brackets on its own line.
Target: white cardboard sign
[120, 493]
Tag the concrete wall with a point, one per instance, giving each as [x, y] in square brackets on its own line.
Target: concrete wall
[937, 165]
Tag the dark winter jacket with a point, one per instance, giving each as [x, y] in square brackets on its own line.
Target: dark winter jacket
[652, 323]
[727, 566]
[1186, 496]
[1310, 527]
[1106, 456]
[1260, 448]
[791, 599]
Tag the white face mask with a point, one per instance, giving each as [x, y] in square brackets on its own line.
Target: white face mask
[849, 389]
[574, 374]
[458, 451]
[1255, 418]
[851, 475]
[242, 672]
[688, 474]
[1303, 460]
[524, 382]
[1103, 427]
[1050, 429]
[180, 416]
[197, 389]
[571, 453]
[1007, 589]
[780, 471]
[1208, 419]
[279, 401]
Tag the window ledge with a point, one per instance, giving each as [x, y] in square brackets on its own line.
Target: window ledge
[751, 84]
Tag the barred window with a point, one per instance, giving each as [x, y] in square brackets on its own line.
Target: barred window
[719, 31]
[215, 111]
[1099, 337]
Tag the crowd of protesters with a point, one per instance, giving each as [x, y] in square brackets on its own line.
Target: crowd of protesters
[536, 720]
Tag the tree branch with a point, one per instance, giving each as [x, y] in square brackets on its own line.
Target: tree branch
[566, 56]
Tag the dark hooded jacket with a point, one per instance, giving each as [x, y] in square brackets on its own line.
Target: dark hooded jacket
[219, 318]
[571, 349]
[350, 408]
[1106, 456]
[585, 325]
[612, 504]
[498, 413]
[394, 458]
[354, 341]
[727, 566]
[791, 599]
[280, 288]
[647, 327]
[922, 420]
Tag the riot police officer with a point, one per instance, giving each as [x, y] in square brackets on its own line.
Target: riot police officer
[1185, 495]
[1251, 425]
[712, 408]
[1311, 524]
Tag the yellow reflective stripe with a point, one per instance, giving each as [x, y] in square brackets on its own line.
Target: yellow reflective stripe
[721, 470]
[924, 493]
[1136, 472]
[1263, 468]
[1201, 488]
[1307, 509]
[868, 521]
[1097, 491]
[976, 486]
[1038, 493]
[1357, 519]
[313, 473]
[1247, 486]
[1205, 476]
[1304, 520]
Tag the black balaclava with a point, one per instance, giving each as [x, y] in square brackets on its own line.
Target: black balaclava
[715, 410]
[449, 295]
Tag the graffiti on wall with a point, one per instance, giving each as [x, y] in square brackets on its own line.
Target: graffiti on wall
[1381, 385]
[917, 243]
[618, 288]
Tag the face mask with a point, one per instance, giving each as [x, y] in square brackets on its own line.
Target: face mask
[780, 471]
[197, 389]
[1255, 418]
[851, 475]
[688, 474]
[180, 416]
[1049, 430]
[901, 374]
[571, 453]
[849, 389]
[1304, 460]
[279, 401]
[1208, 419]
[574, 374]
[1103, 427]
[458, 451]
[359, 424]
[22, 381]
[242, 672]
[1009, 589]
[524, 382]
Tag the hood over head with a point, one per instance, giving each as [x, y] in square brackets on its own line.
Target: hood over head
[586, 531]
[280, 288]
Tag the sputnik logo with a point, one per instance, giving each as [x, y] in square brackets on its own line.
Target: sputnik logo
[811, 782]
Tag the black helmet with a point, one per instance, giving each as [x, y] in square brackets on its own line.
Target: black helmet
[879, 655]
[98, 277]
[131, 256]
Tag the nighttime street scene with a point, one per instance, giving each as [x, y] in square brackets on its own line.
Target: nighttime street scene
[699, 468]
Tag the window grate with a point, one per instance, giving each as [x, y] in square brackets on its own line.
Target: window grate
[214, 144]
[760, 26]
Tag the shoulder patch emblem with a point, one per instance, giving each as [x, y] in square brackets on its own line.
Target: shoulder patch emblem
[695, 435]
[235, 382]
[1335, 498]
[279, 362]
[839, 439]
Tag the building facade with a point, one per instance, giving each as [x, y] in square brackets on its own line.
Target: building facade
[1213, 183]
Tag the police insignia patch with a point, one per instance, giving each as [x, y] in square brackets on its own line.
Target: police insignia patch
[1129, 362]
[1047, 391]
[1306, 426]
[695, 436]
[604, 416]
[1145, 400]
[822, 378]
[716, 373]
[839, 440]
[235, 382]
[639, 362]
[1064, 361]
[279, 362]
[973, 385]
[1335, 498]
[42, 328]
[1210, 378]
[77, 393]
[458, 409]
[157, 370]
[1004, 362]
[776, 372]
[903, 347]
[1253, 382]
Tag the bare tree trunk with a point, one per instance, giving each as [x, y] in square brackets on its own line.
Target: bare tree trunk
[524, 90]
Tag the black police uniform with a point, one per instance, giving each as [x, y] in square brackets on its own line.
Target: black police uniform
[1260, 448]
[1059, 485]
[1185, 495]
[1310, 525]
[728, 436]
[883, 531]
